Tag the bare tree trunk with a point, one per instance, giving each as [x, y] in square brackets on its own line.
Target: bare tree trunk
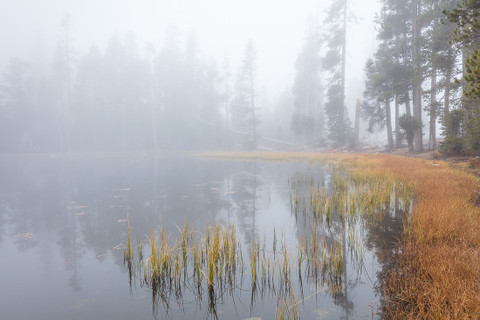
[448, 88]
[432, 137]
[398, 141]
[154, 124]
[344, 51]
[417, 81]
[432, 134]
[408, 108]
[389, 125]
[252, 95]
[357, 125]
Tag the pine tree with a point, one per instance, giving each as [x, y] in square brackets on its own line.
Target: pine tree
[395, 34]
[63, 72]
[466, 16]
[334, 62]
[378, 95]
[244, 103]
[15, 105]
[307, 119]
[418, 75]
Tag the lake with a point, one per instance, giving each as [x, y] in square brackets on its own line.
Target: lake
[64, 225]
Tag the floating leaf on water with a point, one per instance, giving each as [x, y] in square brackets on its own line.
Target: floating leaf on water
[24, 236]
[140, 297]
[81, 304]
[321, 314]
[199, 185]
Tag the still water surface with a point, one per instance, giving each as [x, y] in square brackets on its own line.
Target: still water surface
[63, 223]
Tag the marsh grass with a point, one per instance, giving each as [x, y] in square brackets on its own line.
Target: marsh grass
[437, 266]
[208, 265]
[335, 205]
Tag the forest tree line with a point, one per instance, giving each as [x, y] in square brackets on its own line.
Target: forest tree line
[425, 72]
[127, 99]
[427, 60]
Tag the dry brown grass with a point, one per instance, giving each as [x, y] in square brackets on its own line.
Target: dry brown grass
[437, 275]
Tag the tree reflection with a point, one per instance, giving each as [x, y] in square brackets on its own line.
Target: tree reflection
[246, 184]
[84, 202]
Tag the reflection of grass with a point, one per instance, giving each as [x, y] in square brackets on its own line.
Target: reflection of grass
[437, 273]
[173, 265]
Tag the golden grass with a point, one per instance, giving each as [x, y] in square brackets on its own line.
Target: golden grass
[437, 275]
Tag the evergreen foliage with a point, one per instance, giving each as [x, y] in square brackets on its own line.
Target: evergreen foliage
[307, 119]
[409, 124]
[245, 113]
[338, 122]
[466, 16]
[453, 144]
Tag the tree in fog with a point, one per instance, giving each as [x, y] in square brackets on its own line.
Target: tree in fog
[209, 104]
[390, 74]
[446, 56]
[409, 124]
[307, 118]
[335, 63]
[244, 104]
[394, 36]
[418, 76]
[414, 48]
[378, 96]
[169, 94]
[110, 99]
[466, 16]
[186, 95]
[402, 26]
[441, 63]
[226, 90]
[201, 82]
[63, 73]
[15, 105]
[191, 74]
[91, 114]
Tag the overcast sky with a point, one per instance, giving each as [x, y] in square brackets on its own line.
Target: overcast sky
[277, 28]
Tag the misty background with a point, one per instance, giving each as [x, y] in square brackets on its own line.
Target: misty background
[142, 75]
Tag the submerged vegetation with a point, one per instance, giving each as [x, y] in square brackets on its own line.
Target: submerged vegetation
[333, 210]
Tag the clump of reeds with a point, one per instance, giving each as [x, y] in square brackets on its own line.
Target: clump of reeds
[128, 254]
[209, 263]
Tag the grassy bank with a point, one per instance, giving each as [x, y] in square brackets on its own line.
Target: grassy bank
[437, 275]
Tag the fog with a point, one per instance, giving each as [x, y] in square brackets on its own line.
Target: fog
[217, 32]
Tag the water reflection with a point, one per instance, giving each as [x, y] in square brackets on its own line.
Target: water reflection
[77, 208]
[245, 199]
